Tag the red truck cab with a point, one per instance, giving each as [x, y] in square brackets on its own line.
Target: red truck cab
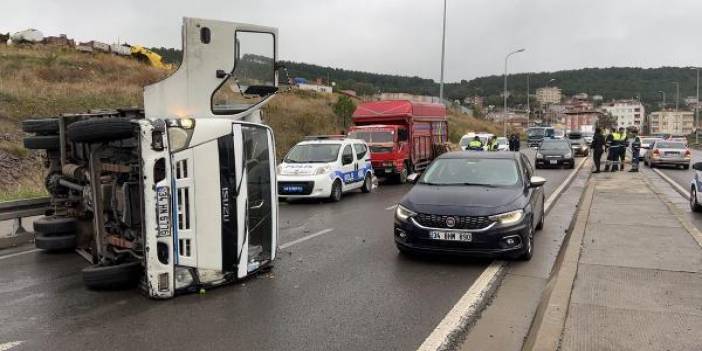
[403, 136]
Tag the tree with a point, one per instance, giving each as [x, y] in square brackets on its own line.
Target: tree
[343, 108]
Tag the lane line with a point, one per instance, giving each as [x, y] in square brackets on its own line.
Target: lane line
[8, 345]
[18, 254]
[679, 188]
[390, 208]
[305, 238]
[470, 305]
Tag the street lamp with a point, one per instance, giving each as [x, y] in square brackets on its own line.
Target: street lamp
[443, 49]
[663, 95]
[697, 106]
[504, 111]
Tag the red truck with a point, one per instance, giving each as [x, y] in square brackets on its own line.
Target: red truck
[403, 136]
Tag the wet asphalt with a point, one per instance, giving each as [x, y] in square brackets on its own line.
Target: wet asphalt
[346, 289]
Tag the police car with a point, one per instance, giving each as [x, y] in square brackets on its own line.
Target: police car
[325, 167]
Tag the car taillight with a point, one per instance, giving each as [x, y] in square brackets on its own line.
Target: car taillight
[688, 154]
[656, 152]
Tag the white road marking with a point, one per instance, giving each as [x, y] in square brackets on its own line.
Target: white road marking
[304, 238]
[679, 188]
[390, 208]
[18, 254]
[471, 302]
[8, 345]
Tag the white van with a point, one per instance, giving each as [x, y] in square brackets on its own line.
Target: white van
[484, 138]
[325, 167]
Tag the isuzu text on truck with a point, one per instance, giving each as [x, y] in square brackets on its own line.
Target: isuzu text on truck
[403, 136]
[181, 195]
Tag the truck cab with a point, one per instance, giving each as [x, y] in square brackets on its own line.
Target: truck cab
[180, 196]
[403, 136]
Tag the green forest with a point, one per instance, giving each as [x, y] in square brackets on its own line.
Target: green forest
[611, 83]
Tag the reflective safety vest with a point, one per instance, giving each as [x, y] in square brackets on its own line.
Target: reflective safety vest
[475, 144]
[616, 136]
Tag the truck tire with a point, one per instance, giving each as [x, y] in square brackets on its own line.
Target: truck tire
[100, 130]
[42, 142]
[112, 277]
[55, 242]
[55, 225]
[41, 126]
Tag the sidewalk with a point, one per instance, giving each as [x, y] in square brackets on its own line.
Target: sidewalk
[630, 278]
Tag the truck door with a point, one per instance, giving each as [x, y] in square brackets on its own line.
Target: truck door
[256, 199]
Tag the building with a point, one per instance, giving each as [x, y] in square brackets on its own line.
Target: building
[671, 122]
[477, 101]
[548, 95]
[629, 113]
[581, 120]
[324, 89]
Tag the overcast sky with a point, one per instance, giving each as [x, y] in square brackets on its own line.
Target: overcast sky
[404, 36]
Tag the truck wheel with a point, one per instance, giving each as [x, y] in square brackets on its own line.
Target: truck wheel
[55, 225]
[119, 276]
[335, 195]
[367, 184]
[100, 130]
[41, 126]
[55, 242]
[42, 142]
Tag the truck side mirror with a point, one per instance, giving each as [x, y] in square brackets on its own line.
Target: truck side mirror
[402, 135]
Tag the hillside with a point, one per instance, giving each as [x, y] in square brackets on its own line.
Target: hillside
[612, 82]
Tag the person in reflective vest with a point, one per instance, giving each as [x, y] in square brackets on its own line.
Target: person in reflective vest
[615, 141]
[475, 144]
[635, 148]
[622, 147]
[492, 144]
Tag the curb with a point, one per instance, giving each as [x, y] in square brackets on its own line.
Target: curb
[451, 330]
[677, 187]
[549, 321]
[689, 227]
[16, 240]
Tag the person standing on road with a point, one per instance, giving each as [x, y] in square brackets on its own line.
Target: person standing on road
[492, 143]
[609, 143]
[475, 144]
[635, 147]
[514, 143]
[598, 145]
[623, 144]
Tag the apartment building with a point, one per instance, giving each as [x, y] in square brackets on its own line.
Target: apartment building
[671, 122]
[629, 113]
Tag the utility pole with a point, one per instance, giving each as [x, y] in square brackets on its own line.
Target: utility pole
[504, 92]
[443, 51]
[528, 107]
[677, 95]
[697, 107]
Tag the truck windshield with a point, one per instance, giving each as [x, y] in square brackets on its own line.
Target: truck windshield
[313, 153]
[373, 137]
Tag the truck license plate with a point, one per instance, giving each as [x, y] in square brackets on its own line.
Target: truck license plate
[164, 211]
[449, 235]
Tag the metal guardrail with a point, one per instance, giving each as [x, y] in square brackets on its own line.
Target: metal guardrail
[23, 208]
[16, 210]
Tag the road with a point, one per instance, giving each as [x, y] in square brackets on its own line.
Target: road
[344, 288]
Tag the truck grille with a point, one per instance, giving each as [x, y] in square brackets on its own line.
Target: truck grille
[461, 222]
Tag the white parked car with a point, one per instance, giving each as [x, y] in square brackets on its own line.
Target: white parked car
[484, 138]
[325, 167]
[695, 184]
[502, 144]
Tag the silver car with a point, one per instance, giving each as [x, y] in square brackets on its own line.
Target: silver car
[664, 152]
[646, 143]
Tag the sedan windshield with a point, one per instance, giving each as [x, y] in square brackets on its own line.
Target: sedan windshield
[535, 132]
[462, 171]
[555, 146]
[313, 153]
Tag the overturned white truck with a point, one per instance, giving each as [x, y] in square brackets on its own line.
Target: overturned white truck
[181, 195]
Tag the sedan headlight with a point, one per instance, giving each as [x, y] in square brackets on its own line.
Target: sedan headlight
[403, 213]
[538, 155]
[568, 155]
[508, 218]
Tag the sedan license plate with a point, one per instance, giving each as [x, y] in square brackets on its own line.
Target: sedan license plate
[164, 211]
[449, 235]
[553, 162]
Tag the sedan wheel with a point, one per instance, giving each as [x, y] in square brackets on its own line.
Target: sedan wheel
[694, 205]
[528, 246]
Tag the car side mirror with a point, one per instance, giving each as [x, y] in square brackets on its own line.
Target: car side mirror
[412, 178]
[536, 182]
[346, 159]
[697, 166]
